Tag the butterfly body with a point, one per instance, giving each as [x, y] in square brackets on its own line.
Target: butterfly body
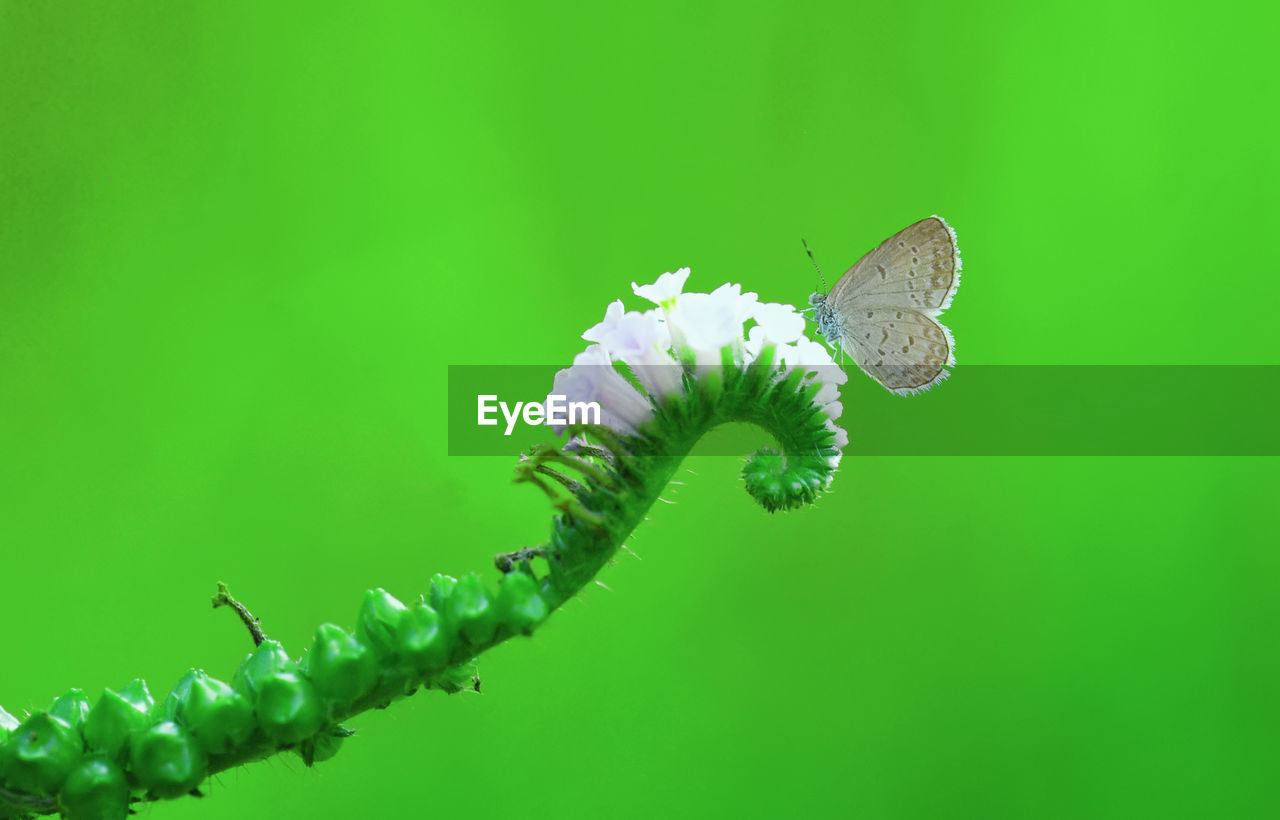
[883, 311]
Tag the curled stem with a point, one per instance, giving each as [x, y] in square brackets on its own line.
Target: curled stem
[94, 762]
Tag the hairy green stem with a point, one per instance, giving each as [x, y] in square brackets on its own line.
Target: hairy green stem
[94, 762]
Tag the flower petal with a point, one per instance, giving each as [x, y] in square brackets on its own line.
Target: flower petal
[779, 322]
[593, 379]
[665, 290]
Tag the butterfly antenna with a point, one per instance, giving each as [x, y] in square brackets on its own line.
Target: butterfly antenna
[815, 264]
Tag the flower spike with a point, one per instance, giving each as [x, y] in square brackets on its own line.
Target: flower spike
[662, 378]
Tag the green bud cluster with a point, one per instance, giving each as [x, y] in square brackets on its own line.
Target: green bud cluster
[93, 760]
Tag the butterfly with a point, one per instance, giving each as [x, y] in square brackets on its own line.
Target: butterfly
[884, 310]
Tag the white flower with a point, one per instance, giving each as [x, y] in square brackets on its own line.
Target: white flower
[779, 322]
[702, 324]
[842, 441]
[756, 340]
[593, 379]
[631, 335]
[811, 357]
[641, 341]
[693, 327]
[665, 290]
[828, 397]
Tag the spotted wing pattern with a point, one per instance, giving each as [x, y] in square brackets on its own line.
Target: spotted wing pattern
[886, 307]
[918, 267]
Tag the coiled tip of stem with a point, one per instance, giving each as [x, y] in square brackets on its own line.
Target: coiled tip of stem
[780, 482]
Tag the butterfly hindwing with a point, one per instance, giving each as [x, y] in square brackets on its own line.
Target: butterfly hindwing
[905, 350]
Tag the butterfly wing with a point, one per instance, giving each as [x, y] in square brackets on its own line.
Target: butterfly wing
[905, 350]
[917, 268]
[887, 304]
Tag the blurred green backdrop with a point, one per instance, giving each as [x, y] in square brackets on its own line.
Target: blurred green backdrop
[240, 242]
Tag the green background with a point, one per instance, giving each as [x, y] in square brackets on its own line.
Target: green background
[241, 242]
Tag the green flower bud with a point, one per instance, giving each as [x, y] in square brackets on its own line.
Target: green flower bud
[116, 718]
[94, 790]
[167, 760]
[521, 606]
[72, 708]
[470, 612]
[439, 589]
[288, 707]
[422, 639]
[380, 617]
[219, 717]
[263, 663]
[39, 754]
[341, 667]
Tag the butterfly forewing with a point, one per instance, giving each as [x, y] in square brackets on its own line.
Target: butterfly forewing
[918, 267]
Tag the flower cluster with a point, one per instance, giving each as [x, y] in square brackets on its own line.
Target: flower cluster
[696, 334]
